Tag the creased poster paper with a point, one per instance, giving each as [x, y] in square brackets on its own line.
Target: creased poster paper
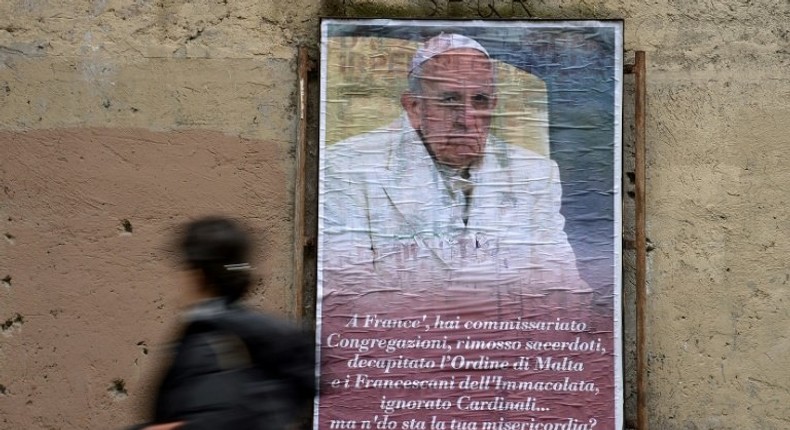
[469, 225]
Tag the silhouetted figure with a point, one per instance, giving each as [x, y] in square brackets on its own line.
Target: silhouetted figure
[233, 368]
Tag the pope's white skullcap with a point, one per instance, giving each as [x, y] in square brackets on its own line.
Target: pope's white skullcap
[442, 43]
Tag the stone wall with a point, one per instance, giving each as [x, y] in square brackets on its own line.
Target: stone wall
[120, 119]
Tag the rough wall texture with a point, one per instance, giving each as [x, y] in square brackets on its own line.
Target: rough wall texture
[119, 119]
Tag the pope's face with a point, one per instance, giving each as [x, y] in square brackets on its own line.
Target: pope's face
[453, 110]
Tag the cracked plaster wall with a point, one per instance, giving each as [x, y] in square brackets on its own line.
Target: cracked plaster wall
[119, 119]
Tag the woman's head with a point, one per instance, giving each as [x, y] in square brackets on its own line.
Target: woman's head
[218, 248]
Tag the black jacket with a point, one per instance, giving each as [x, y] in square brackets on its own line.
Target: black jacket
[238, 369]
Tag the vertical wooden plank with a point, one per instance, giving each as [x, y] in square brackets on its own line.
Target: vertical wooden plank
[299, 187]
[640, 241]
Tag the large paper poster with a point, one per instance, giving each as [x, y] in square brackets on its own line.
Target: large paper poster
[469, 232]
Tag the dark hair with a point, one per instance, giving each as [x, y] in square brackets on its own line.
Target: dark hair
[219, 248]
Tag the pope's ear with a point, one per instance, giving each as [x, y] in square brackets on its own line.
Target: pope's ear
[411, 104]
[408, 101]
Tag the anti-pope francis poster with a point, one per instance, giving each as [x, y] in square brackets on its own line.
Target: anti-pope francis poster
[469, 225]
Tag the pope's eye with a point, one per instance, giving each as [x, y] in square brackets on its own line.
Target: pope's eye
[481, 101]
[449, 99]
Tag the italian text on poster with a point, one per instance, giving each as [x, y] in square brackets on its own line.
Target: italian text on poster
[469, 225]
